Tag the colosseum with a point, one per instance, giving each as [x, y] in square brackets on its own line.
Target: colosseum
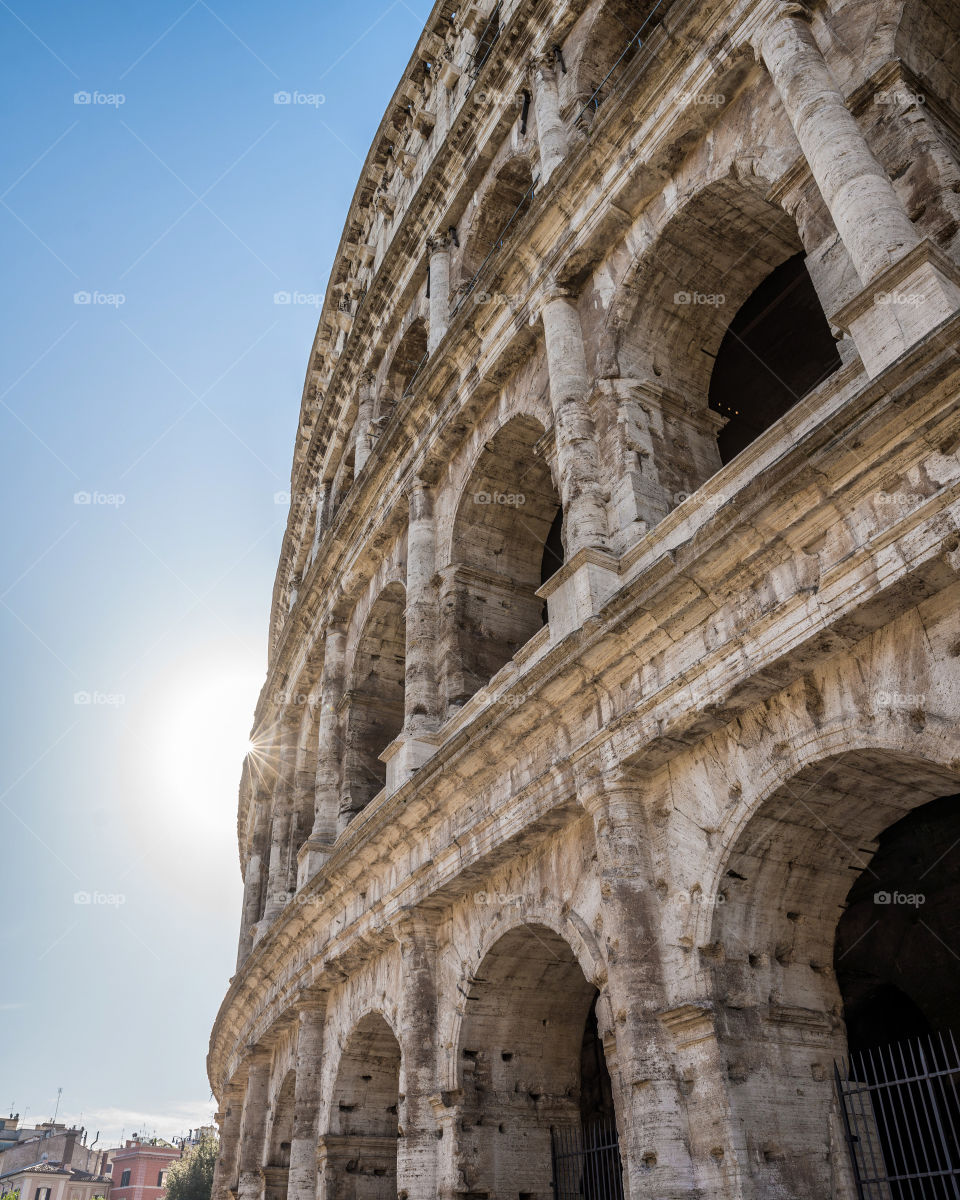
[600, 837]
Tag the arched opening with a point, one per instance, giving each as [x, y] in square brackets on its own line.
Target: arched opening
[677, 312]
[536, 1092]
[358, 1154]
[609, 46]
[374, 700]
[507, 543]
[787, 965]
[276, 1171]
[407, 360]
[500, 210]
[777, 348]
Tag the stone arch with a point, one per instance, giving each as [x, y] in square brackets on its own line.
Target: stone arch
[527, 1052]
[597, 55]
[705, 259]
[780, 892]
[505, 545]
[499, 208]
[374, 699]
[406, 361]
[281, 1136]
[358, 1153]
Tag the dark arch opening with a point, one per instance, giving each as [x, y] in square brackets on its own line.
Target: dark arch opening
[376, 700]
[896, 963]
[500, 211]
[777, 348]
[535, 1084]
[359, 1152]
[507, 542]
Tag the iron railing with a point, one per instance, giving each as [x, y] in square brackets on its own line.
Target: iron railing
[901, 1113]
[486, 40]
[635, 43]
[586, 1162]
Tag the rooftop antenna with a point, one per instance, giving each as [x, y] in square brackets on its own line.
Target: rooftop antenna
[57, 1109]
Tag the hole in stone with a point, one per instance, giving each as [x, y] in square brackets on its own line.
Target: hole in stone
[649, 1159]
[471, 1054]
[735, 875]
[506, 1055]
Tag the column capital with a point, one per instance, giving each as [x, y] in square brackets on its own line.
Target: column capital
[439, 242]
[542, 64]
[415, 930]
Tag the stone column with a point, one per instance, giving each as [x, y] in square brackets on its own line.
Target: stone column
[302, 1177]
[439, 250]
[585, 522]
[420, 688]
[252, 891]
[318, 847]
[855, 187]
[228, 1121]
[418, 1147]
[250, 1186]
[650, 1109]
[551, 131]
[278, 876]
[363, 443]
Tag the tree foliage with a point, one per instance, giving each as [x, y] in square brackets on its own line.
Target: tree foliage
[191, 1177]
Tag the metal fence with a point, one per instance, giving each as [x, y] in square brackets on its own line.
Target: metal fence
[586, 1162]
[901, 1113]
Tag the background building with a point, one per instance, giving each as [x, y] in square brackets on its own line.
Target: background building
[605, 785]
[51, 1181]
[139, 1169]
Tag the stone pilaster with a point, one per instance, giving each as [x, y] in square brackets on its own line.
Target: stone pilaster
[855, 187]
[302, 1177]
[551, 131]
[253, 1133]
[439, 250]
[420, 700]
[278, 876]
[650, 1111]
[363, 442]
[317, 848]
[228, 1120]
[585, 524]
[897, 307]
[418, 1148]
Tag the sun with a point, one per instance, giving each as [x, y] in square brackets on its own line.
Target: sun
[203, 736]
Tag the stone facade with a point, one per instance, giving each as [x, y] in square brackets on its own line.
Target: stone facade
[617, 623]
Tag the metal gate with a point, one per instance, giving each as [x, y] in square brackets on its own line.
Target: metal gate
[586, 1162]
[901, 1116]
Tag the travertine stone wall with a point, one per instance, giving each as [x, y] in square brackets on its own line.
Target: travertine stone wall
[574, 740]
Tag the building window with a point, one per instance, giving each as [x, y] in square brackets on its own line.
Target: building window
[124, 1180]
[42, 1194]
[159, 1179]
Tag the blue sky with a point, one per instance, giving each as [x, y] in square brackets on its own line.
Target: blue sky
[149, 390]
